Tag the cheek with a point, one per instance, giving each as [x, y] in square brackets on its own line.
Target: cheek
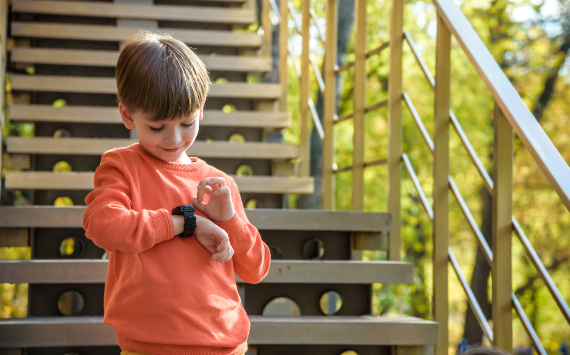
[190, 134]
[149, 138]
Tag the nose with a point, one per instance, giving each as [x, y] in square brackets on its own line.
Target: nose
[173, 137]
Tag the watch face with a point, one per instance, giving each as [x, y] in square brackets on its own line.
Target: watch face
[187, 208]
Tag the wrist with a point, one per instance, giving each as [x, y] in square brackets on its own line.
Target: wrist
[178, 222]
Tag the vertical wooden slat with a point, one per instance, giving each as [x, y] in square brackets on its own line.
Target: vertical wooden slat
[267, 28]
[502, 231]
[3, 49]
[441, 183]
[359, 95]
[304, 118]
[395, 125]
[329, 104]
[283, 53]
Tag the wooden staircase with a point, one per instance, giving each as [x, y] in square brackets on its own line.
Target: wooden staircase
[72, 47]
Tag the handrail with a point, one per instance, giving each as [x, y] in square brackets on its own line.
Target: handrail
[521, 119]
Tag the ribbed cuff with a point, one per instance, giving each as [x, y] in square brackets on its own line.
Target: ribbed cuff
[234, 226]
[163, 226]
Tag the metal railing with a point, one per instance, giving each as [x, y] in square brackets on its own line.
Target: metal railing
[510, 116]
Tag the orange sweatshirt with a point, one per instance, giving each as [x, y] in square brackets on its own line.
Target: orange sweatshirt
[163, 295]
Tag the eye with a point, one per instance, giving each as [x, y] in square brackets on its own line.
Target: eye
[155, 129]
[188, 125]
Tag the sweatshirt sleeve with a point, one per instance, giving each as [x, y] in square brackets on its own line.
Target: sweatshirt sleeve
[109, 220]
[251, 255]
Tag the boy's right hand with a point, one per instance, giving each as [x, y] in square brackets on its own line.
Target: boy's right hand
[211, 236]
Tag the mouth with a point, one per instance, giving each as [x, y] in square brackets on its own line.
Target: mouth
[174, 150]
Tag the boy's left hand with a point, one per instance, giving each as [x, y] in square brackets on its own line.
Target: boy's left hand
[220, 206]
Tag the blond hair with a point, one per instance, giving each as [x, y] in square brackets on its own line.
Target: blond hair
[160, 76]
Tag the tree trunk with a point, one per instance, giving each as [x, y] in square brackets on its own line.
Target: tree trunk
[345, 19]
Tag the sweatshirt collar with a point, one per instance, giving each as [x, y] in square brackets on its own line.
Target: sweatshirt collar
[196, 164]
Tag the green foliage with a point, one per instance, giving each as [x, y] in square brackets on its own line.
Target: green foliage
[528, 50]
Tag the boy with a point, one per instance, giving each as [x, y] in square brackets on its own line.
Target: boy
[170, 288]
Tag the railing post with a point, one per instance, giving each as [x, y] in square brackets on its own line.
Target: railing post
[305, 75]
[441, 183]
[502, 231]
[3, 49]
[283, 53]
[267, 28]
[359, 105]
[395, 126]
[329, 106]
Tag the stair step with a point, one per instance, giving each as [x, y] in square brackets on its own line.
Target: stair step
[263, 219]
[40, 180]
[343, 330]
[98, 146]
[109, 59]
[117, 34]
[88, 114]
[140, 12]
[99, 85]
[281, 271]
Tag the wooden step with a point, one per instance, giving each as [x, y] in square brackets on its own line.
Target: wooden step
[243, 16]
[263, 219]
[118, 34]
[39, 180]
[98, 85]
[343, 330]
[281, 271]
[87, 114]
[230, 63]
[98, 146]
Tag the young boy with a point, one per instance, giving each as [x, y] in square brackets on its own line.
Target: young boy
[170, 288]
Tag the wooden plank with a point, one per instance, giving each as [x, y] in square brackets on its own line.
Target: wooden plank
[87, 114]
[305, 138]
[441, 184]
[225, 15]
[117, 34]
[329, 106]
[502, 231]
[325, 330]
[99, 85]
[359, 98]
[14, 237]
[263, 219]
[527, 128]
[3, 55]
[283, 54]
[97, 146]
[231, 63]
[39, 180]
[267, 27]
[281, 271]
[369, 241]
[395, 127]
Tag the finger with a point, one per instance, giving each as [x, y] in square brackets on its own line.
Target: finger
[223, 244]
[199, 205]
[220, 234]
[223, 191]
[216, 180]
[200, 193]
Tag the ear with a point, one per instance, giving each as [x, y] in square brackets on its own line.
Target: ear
[202, 110]
[126, 116]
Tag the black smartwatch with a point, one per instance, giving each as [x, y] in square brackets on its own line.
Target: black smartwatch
[189, 219]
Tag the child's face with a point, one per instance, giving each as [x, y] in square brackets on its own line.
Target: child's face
[168, 139]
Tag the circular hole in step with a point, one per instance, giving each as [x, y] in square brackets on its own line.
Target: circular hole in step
[105, 257]
[244, 170]
[228, 109]
[221, 80]
[276, 252]
[237, 138]
[349, 352]
[314, 249]
[252, 204]
[71, 247]
[330, 303]
[59, 103]
[281, 306]
[71, 303]
[61, 133]
[62, 167]
[63, 201]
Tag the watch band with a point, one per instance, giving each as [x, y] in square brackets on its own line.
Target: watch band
[189, 219]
